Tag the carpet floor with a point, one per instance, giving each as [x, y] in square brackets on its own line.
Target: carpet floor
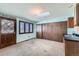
[34, 47]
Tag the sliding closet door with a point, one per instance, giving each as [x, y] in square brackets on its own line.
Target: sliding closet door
[63, 29]
[60, 30]
[45, 31]
[39, 31]
[52, 31]
[56, 31]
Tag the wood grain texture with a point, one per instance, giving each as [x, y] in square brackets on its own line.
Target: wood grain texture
[77, 14]
[7, 39]
[53, 31]
[39, 31]
[70, 22]
[71, 48]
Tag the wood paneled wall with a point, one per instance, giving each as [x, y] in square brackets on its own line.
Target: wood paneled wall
[52, 31]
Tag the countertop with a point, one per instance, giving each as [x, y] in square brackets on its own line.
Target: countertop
[71, 37]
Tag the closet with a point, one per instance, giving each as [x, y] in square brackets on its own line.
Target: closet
[52, 31]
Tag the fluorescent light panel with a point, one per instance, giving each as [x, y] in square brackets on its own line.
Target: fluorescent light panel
[43, 14]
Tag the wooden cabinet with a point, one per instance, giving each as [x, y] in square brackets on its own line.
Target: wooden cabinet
[70, 22]
[7, 32]
[52, 31]
[77, 14]
[71, 48]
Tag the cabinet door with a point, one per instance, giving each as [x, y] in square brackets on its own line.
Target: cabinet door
[10, 39]
[70, 22]
[77, 14]
[71, 48]
[3, 40]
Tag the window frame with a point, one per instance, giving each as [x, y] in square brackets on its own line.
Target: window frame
[25, 27]
[28, 26]
[32, 27]
[20, 26]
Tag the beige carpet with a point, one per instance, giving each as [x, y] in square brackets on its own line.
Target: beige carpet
[35, 47]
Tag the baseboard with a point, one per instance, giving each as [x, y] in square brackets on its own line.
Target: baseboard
[26, 40]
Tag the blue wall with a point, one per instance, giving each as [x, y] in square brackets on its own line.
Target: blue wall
[70, 30]
[59, 19]
[23, 37]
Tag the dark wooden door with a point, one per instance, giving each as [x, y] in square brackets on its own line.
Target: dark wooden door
[7, 32]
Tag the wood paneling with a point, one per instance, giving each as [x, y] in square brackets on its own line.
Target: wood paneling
[56, 31]
[45, 31]
[70, 22]
[71, 48]
[7, 39]
[53, 31]
[77, 14]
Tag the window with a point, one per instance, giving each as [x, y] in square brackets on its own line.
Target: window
[7, 26]
[25, 27]
[21, 27]
[31, 27]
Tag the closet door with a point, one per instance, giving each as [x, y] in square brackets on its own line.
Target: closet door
[39, 31]
[45, 31]
[52, 31]
[7, 31]
[57, 30]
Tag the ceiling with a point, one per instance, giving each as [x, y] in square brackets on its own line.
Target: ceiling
[38, 11]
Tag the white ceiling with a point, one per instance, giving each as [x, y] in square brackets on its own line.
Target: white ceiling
[25, 10]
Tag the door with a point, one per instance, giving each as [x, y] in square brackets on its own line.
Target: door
[45, 31]
[39, 31]
[61, 30]
[54, 31]
[7, 31]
